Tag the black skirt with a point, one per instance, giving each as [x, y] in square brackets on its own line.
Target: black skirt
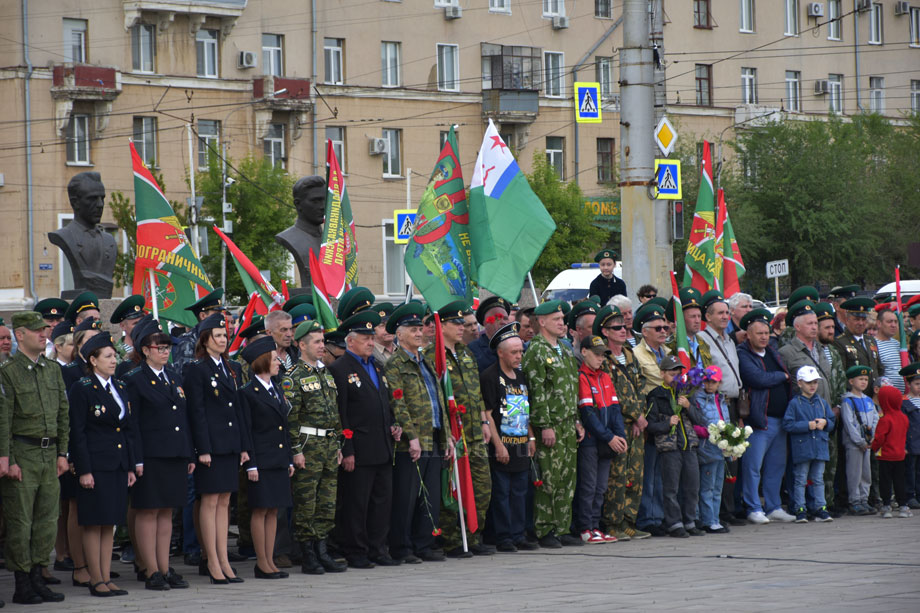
[272, 490]
[222, 476]
[107, 502]
[70, 486]
[163, 484]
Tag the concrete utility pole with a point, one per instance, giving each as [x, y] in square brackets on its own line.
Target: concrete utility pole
[645, 244]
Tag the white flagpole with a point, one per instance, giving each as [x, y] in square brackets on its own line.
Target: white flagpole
[536, 301]
[153, 293]
[460, 498]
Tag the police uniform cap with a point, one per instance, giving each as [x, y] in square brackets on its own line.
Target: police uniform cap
[596, 344]
[355, 300]
[103, 339]
[131, 307]
[710, 298]
[825, 310]
[799, 308]
[210, 301]
[256, 326]
[302, 313]
[217, 320]
[843, 291]
[512, 330]
[458, 309]
[90, 323]
[689, 299]
[363, 322]
[858, 370]
[296, 301]
[552, 306]
[581, 308]
[32, 320]
[647, 312]
[605, 253]
[62, 328]
[51, 307]
[489, 303]
[86, 300]
[138, 333]
[259, 347]
[595, 299]
[406, 314]
[802, 293]
[859, 306]
[603, 316]
[761, 315]
[910, 371]
[306, 328]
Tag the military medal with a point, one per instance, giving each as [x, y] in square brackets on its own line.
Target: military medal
[98, 412]
[181, 392]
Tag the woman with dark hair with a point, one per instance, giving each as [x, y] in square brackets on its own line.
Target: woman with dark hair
[221, 441]
[270, 463]
[102, 454]
[163, 453]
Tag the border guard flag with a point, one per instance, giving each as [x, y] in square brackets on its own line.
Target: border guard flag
[700, 261]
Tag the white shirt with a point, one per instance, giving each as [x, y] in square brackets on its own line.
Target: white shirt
[118, 400]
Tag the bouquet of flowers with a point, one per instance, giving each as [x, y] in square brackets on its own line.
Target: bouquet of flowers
[729, 438]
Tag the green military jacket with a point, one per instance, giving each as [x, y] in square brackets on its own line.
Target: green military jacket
[853, 353]
[627, 381]
[553, 377]
[33, 402]
[837, 383]
[411, 403]
[464, 378]
[314, 402]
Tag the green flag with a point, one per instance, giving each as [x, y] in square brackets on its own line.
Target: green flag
[438, 254]
[700, 262]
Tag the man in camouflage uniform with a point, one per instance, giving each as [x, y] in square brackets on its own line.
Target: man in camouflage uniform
[464, 377]
[553, 375]
[34, 430]
[624, 489]
[836, 384]
[314, 428]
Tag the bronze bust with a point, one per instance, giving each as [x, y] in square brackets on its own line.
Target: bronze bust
[306, 233]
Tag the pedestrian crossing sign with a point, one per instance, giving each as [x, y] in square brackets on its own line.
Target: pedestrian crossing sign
[667, 175]
[588, 102]
[403, 225]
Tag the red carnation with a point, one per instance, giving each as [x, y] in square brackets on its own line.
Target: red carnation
[538, 482]
[347, 433]
[397, 394]
[461, 408]
[490, 320]
[809, 482]
[629, 484]
[436, 532]
[731, 479]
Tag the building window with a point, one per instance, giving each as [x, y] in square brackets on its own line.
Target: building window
[553, 75]
[792, 18]
[143, 47]
[553, 8]
[603, 73]
[875, 24]
[748, 86]
[333, 55]
[273, 145]
[337, 135]
[208, 141]
[915, 95]
[145, 139]
[747, 15]
[510, 67]
[448, 68]
[389, 63]
[914, 26]
[78, 139]
[834, 28]
[704, 85]
[272, 55]
[835, 93]
[499, 6]
[603, 9]
[794, 91]
[877, 95]
[75, 40]
[391, 161]
[394, 277]
[701, 15]
[206, 50]
[605, 159]
[555, 150]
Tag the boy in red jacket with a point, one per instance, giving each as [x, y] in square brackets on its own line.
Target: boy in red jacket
[889, 446]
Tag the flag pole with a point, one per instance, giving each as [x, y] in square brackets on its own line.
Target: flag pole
[536, 301]
[460, 510]
[153, 293]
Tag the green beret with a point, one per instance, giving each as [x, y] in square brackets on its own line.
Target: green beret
[801, 293]
[512, 330]
[689, 299]
[296, 301]
[648, 312]
[761, 315]
[858, 306]
[799, 308]
[914, 311]
[51, 307]
[597, 344]
[301, 313]
[552, 306]
[256, 326]
[604, 254]
[603, 316]
[582, 308]
[843, 291]
[489, 303]
[353, 301]
[406, 314]
[130, 308]
[452, 311]
[825, 310]
[86, 300]
[362, 322]
[858, 370]
[306, 328]
[910, 371]
[710, 298]
[211, 301]
[32, 320]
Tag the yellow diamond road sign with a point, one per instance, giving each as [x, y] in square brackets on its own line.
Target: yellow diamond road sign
[665, 136]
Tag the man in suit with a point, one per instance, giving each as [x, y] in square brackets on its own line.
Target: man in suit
[366, 478]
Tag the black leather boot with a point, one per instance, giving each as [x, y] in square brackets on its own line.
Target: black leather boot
[39, 587]
[309, 565]
[25, 593]
[326, 560]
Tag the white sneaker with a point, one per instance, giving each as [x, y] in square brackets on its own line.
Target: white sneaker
[758, 517]
[780, 515]
[905, 512]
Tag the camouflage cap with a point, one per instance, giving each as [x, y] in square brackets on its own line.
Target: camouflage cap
[32, 320]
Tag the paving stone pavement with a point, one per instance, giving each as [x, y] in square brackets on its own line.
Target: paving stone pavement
[853, 564]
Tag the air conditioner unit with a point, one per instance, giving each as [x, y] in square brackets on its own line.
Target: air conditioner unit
[821, 87]
[560, 23]
[377, 146]
[247, 59]
[453, 12]
[902, 8]
[815, 9]
[864, 5]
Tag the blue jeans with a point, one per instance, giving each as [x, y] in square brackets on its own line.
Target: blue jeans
[764, 460]
[712, 475]
[803, 471]
[507, 507]
[189, 538]
[651, 506]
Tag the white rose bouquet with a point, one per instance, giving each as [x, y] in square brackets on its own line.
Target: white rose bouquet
[729, 438]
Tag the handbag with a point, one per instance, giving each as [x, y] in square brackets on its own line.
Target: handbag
[743, 403]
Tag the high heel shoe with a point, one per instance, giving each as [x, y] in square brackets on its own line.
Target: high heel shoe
[261, 574]
[214, 581]
[74, 581]
[94, 592]
[235, 579]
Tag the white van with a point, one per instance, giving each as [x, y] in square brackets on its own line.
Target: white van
[909, 288]
[572, 284]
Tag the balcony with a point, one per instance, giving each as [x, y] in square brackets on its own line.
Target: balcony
[510, 105]
[84, 83]
[281, 95]
[164, 11]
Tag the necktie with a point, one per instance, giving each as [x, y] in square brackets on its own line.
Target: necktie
[271, 392]
[108, 388]
[223, 370]
[163, 379]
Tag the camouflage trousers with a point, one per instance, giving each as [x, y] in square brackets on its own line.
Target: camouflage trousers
[315, 490]
[553, 499]
[30, 507]
[482, 488]
[624, 489]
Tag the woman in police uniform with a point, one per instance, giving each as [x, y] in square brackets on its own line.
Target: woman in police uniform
[163, 451]
[221, 441]
[270, 463]
[100, 449]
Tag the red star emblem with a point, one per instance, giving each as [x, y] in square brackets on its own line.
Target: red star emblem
[497, 142]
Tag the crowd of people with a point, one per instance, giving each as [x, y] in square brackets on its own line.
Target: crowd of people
[581, 424]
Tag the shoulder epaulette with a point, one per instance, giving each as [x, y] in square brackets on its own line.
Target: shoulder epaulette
[196, 361]
[247, 384]
[73, 363]
[86, 381]
[131, 372]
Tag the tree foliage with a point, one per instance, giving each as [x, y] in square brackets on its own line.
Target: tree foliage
[575, 237]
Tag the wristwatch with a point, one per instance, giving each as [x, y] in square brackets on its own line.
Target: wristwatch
[485, 423]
